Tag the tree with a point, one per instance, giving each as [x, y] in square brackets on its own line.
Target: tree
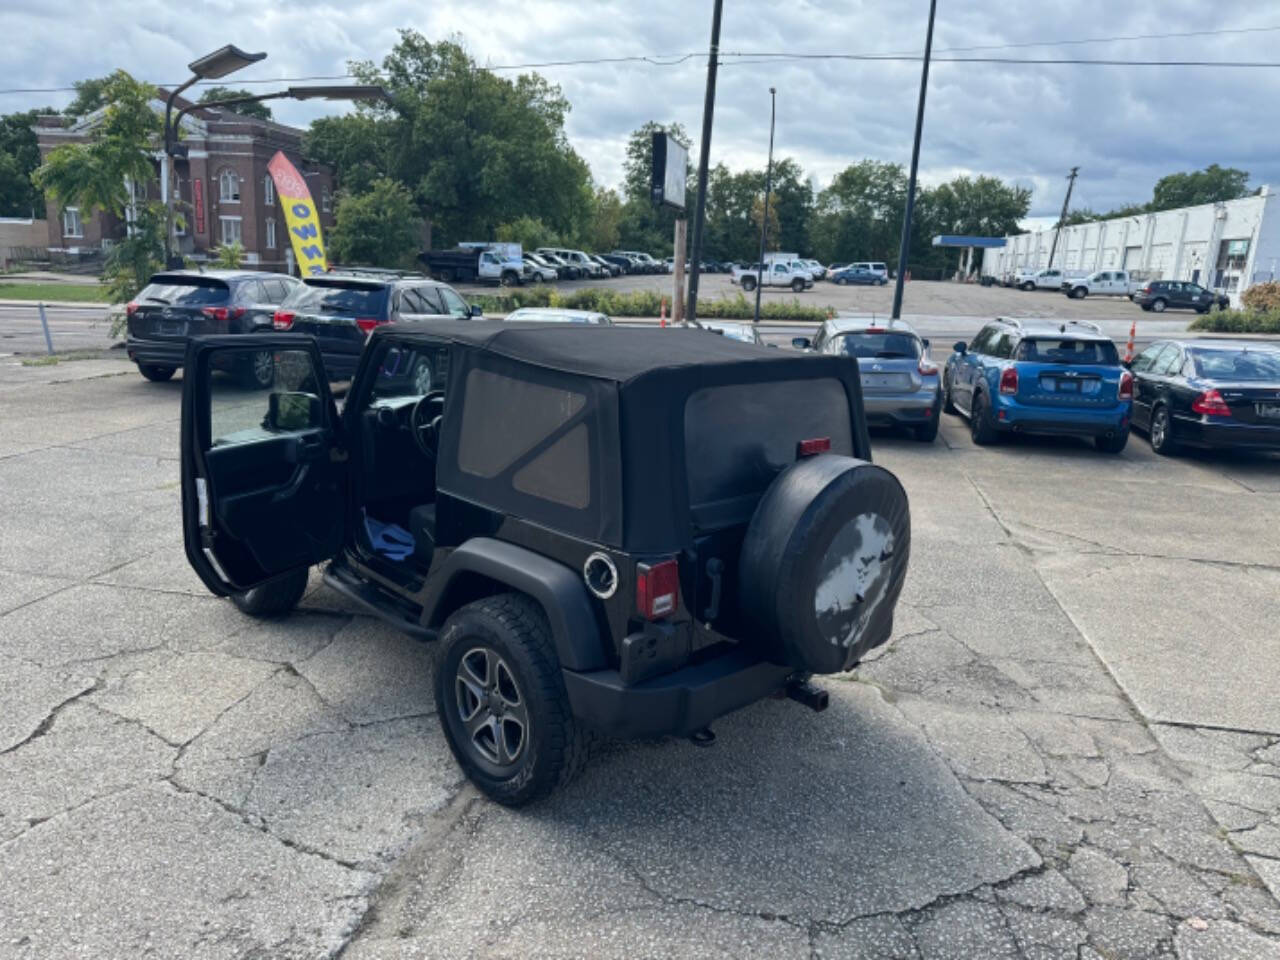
[19, 158]
[95, 176]
[354, 146]
[602, 228]
[1211, 185]
[644, 226]
[475, 149]
[90, 95]
[773, 239]
[377, 228]
[981, 207]
[228, 257]
[259, 110]
[859, 216]
[530, 232]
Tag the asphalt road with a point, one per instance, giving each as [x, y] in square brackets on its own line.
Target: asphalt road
[1071, 748]
[72, 329]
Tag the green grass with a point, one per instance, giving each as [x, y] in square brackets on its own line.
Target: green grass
[45, 361]
[647, 303]
[1238, 321]
[54, 292]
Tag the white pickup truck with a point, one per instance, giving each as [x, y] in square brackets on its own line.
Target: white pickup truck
[1044, 279]
[775, 274]
[1112, 283]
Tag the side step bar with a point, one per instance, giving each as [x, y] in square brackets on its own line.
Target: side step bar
[381, 604]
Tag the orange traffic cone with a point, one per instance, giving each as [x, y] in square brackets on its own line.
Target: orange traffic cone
[662, 313]
[1128, 350]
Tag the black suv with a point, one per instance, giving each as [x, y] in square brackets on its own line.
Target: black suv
[607, 530]
[1161, 295]
[179, 304]
[340, 309]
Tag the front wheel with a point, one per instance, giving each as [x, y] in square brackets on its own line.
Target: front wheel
[1158, 306]
[502, 700]
[1028, 286]
[1079, 293]
[156, 374]
[274, 598]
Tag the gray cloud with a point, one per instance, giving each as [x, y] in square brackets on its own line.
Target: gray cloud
[1124, 127]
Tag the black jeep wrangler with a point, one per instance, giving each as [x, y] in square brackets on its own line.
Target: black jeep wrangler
[607, 530]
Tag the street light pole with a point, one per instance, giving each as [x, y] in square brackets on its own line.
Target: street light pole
[704, 161]
[768, 183]
[904, 248]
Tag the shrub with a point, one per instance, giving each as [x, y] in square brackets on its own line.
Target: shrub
[646, 303]
[1239, 321]
[1262, 297]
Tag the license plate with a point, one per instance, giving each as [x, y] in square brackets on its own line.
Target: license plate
[1269, 411]
[171, 328]
[885, 380]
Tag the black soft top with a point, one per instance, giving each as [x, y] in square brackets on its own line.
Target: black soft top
[620, 354]
[633, 384]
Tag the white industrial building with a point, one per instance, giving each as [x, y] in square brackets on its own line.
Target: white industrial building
[1226, 246]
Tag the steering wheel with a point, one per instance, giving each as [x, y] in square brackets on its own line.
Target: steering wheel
[424, 422]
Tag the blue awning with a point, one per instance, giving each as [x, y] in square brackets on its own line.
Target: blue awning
[946, 241]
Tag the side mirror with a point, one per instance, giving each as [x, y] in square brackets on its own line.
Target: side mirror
[476, 310]
[961, 347]
[288, 412]
[925, 343]
[801, 343]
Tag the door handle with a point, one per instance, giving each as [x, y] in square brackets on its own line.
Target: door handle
[306, 448]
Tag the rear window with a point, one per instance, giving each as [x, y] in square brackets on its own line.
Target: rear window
[884, 346]
[1237, 364]
[357, 299]
[1066, 351]
[185, 292]
[738, 437]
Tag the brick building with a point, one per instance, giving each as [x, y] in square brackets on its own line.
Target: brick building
[224, 191]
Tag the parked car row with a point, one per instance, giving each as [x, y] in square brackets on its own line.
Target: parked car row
[1153, 295]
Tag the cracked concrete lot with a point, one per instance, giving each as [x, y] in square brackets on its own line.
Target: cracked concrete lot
[1071, 748]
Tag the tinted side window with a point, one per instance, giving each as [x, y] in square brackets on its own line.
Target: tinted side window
[1143, 361]
[491, 438]
[1003, 348]
[1170, 361]
[431, 301]
[984, 340]
[410, 302]
[277, 290]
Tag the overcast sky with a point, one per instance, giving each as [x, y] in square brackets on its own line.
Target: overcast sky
[1123, 126]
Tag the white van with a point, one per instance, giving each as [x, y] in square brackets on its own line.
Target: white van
[875, 266]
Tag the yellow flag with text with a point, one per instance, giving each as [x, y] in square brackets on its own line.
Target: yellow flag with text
[299, 216]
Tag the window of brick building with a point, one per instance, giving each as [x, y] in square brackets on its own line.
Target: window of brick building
[71, 225]
[229, 187]
[231, 232]
[268, 192]
[271, 234]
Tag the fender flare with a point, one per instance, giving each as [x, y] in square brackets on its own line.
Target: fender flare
[474, 568]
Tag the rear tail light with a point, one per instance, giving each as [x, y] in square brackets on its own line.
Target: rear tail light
[927, 367]
[657, 589]
[283, 319]
[1145, 290]
[130, 309]
[810, 448]
[223, 313]
[1126, 386]
[1210, 402]
[1009, 380]
[368, 324]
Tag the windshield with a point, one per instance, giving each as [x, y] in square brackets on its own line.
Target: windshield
[1237, 364]
[1057, 350]
[883, 346]
[185, 293]
[356, 299]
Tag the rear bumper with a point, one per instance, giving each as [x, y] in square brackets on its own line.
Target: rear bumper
[901, 409]
[159, 353]
[1015, 417]
[1221, 433]
[676, 703]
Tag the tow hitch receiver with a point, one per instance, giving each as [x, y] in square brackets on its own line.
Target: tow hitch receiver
[802, 691]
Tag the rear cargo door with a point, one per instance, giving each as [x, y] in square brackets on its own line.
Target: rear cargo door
[177, 306]
[1066, 373]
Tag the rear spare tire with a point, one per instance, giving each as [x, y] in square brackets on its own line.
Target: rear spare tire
[823, 562]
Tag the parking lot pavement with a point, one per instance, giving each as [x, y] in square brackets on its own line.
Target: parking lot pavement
[1071, 748]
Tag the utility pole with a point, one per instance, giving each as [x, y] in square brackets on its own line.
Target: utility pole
[905, 246]
[704, 161]
[677, 300]
[768, 183]
[1071, 182]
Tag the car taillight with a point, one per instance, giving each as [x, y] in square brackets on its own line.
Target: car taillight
[1145, 290]
[283, 319]
[367, 324]
[1126, 386]
[1210, 402]
[810, 448]
[657, 589]
[130, 309]
[223, 313]
[1009, 380]
[927, 367]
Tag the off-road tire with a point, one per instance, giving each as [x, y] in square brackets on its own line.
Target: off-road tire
[156, 374]
[274, 598]
[1112, 444]
[1161, 437]
[555, 746]
[981, 428]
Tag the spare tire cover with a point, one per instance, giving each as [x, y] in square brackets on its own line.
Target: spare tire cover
[823, 562]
